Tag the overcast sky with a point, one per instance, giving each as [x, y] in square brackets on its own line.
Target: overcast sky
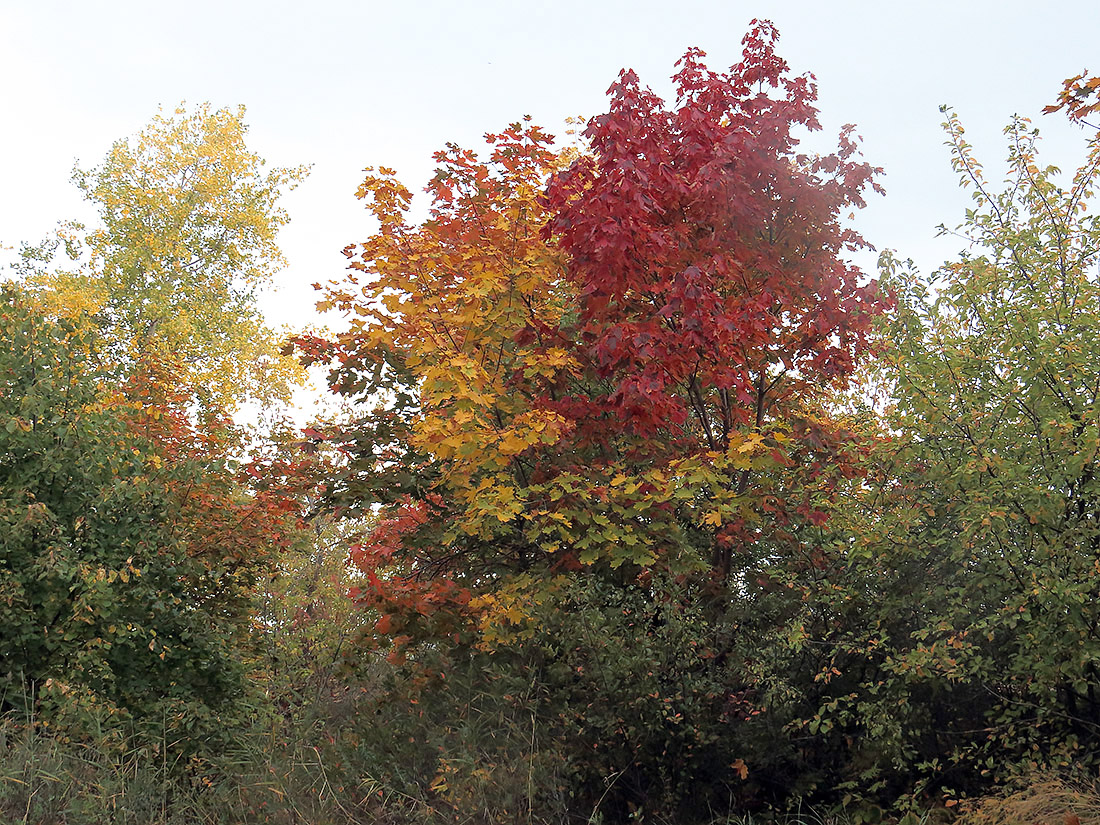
[342, 85]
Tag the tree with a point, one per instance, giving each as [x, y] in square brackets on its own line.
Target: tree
[95, 588]
[434, 331]
[599, 380]
[983, 541]
[714, 302]
[188, 223]
[603, 392]
[128, 546]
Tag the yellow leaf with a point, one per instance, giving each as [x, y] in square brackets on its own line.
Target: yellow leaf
[511, 444]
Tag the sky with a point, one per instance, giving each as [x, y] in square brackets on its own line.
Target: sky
[342, 85]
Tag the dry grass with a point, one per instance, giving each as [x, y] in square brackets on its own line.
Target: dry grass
[1046, 801]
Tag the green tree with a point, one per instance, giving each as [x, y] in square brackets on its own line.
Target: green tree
[975, 586]
[114, 608]
[189, 219]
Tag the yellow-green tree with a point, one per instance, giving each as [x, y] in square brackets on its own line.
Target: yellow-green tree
[188, 222]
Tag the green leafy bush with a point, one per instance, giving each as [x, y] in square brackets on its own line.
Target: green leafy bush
[108, 621]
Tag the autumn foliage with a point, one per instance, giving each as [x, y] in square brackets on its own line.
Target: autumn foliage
[643, 502]
[608, 357]
[1080, 98]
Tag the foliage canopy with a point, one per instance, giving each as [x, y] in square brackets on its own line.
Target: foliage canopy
[614, 527]
[189, 217]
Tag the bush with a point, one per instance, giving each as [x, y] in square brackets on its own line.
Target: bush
[109, 619]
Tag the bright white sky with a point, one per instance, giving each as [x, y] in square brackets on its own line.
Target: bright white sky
[344, 84]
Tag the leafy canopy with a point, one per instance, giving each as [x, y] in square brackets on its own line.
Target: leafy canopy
[610, 360]
[189, 219]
